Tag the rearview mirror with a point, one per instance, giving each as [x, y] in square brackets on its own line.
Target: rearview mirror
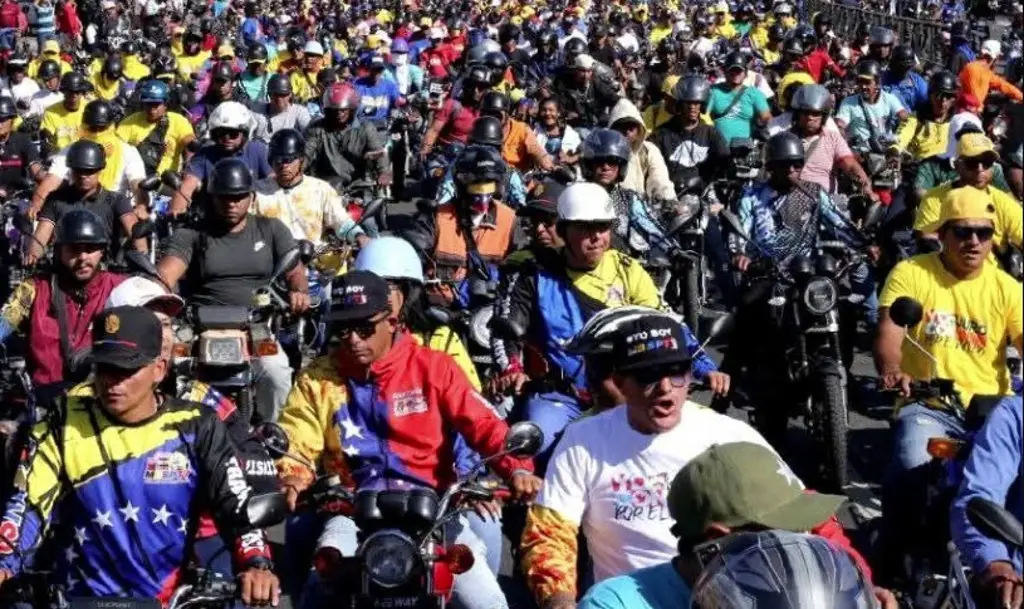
[172, 179]
[137, 261]
[306, 251]
[371, 210]
[693, 185]
[524, 439]
[995, 521]
[267, 509]
[273, 437]
[142, 229]
[286, 264]
[721, 327]
[906, 312]
[150, 184]
[439, 316]
[874, 216]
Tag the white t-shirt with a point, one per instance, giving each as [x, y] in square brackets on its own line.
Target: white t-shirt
[613, 481]
[956, 123]
[133, 170]
[21, 92]
[43, 99]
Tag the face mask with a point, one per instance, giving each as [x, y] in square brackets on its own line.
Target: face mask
[481, 203]
[400, 59]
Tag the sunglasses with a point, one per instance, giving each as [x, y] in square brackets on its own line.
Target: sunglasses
[964, 233]
[363, 329]
[221, 134]
[975, 162]
[649, 378]
[785, 165]
[946, 95]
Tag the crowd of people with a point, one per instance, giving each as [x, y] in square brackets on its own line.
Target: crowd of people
[554, 153]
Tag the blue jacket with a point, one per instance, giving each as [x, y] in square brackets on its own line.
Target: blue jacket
[994, 471]
[911, 89]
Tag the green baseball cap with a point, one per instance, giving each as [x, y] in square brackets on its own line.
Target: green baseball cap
[741, 484]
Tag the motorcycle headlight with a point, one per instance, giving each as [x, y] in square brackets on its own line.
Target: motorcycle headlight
[222, 351]
[479, 327]
[820, 295]
[389, 558]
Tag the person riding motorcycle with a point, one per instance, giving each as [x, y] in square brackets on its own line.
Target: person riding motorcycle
[190, 55]
[880, 45]
[220, 81]
[191, 444]
[869, 118]
[62, 122]
[453, 122]
[646, 172]
[520, 148]
[109, 82]
[162, 138]
[735, 107]
[586, 99]
[342, 147]
[690, 146]
[925, 134]
[19, 158]
[49, 92]
[280, 110]
[487, 131]
[973, 310]
[304, 79]
[78, 285]
[902, 80]
[229, 126]
[208, 257]
[377, 360]
[467, 238]
[378, 94]
[254, 82]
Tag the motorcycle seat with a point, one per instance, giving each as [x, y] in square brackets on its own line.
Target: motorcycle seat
[410, 510]
[216, 317]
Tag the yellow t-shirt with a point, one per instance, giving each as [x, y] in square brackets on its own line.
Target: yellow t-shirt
[64, 125]
[134, 69]
[618, 280]
[446, 341]
[658, 34]
[1009, 222]
[33, 66]
[189, 65]
[303, 85]
[136, 128]
[104, 89]
[965, 324]
[930, 140]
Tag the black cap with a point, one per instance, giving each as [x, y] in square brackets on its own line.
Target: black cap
[654, 341]
[126, 337]
[359, 295]
[543, 199]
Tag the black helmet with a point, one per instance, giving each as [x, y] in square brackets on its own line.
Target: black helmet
[488, 131]
[279, 84]
[81, 226]
[822, 19]
[574, 46]
[48, 69]
[475, 55]
[496, 62]
[164, 65]
[793, 46]
[692, 89]
[784, 146]
[811, 98]
[478, 75]
[479, 164]
[863, 29]
[325, 78]
[7, 109]
[736, 58]
[129, 47]
[869, 68]
[903, 57]
[547, 38]
[494, 102]
[777, 32]
[606, 144]
[805, 34]
[257, 52]
[86, 155]
[943, 82]
[286, 145]
[113, 67]
[959, 31]
[668, 46]
[222, 71]
[509, 32]
[882, 36]
[98, 114]
[230, 177]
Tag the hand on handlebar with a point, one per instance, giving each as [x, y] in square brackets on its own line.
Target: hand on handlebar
[1003, 585]
[719, 383]
[488, 510]
[525, 486]
[741, 262]
[507, 384]
[898, 380]
[292, 486]
[299, 302]
[259, 587]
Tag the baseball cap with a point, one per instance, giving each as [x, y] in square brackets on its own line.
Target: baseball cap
[741, 484]
[142, 292]
[126, 337]
[967, 203]
[543, 199]
[971, 145]
[51, 46]
[654, 341]
[226, 50]
[992, 48]
[313, 48]
[436, 33]
[359, 295]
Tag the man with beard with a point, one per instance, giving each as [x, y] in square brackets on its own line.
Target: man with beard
[230, 256]
[55, 310]
[341, 148]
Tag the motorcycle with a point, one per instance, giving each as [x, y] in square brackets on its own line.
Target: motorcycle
[684, 274]
[361, 196]
[404, 558]
[995, 522]
[435, 168]
[804, 372]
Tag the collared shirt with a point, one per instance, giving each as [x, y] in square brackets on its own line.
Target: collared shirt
[308, 209]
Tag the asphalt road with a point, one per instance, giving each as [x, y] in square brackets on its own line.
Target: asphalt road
[868, 441]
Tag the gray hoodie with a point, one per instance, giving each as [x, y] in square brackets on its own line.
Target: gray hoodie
[647, 172]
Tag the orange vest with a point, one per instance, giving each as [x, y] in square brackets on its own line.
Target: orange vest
[492, 238]
[513, 149]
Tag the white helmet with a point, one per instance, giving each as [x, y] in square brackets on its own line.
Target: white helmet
[390, 258]
[230, 115]
[585, 202]
[598, 334]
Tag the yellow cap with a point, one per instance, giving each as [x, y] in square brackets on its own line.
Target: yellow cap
[669, 84]
[527, 12]
[373, 42]
[51, 46]
[974, 145]
[967, 203]
[426, 22]
[225, 50]
[482, 188]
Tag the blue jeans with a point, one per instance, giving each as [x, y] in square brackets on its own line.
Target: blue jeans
[862, 282]
[552, 412]
[475, 589]
[489, 532]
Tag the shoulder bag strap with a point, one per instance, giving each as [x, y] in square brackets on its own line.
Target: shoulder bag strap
[60, 309]
[735, 100]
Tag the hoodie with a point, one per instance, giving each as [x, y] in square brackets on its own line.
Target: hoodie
[646, 172]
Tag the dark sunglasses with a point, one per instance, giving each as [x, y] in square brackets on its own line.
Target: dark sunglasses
[963, 233]
[946, 95]
[975, 162]
[364, 329]
[647, 378]
[219, 134]
[283, 160]
[785, 165]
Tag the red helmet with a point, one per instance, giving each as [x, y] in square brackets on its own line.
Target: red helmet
[341, 96]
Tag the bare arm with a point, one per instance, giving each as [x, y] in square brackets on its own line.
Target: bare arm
[852, 168]
[127, 222]
[41, 238]
[888, 344]
[171, 269]
[297, 279]
[49, 184]
[183, 197]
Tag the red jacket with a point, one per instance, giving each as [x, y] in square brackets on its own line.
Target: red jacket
[817, 62]
[67, 19]
[436, 60]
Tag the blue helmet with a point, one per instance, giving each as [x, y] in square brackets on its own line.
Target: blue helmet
[155, 91]
[400, 46]
[390, 258]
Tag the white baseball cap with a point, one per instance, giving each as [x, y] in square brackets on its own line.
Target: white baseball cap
[313, 48]
[992, 48]
[143, 292]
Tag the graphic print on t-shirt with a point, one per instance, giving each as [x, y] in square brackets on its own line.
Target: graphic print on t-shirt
[639, 497]
[945, 327]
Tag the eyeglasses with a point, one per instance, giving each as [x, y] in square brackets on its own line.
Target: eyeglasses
[964, 233]
[941, 95]
[363, 329]
[650, 378]
[229, 134]
[974, 162]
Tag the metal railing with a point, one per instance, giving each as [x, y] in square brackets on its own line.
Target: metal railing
[924, 36]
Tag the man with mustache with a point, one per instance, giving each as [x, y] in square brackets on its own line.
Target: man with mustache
[971, 310]
[55, 310]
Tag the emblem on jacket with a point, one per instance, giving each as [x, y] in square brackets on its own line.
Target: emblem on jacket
[408, 402]
[167, 468]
